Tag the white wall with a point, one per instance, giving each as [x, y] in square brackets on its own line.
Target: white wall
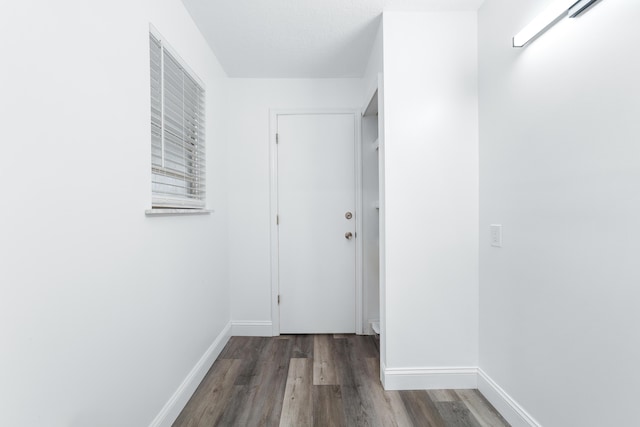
[249, 226]
[374, 63]
[372, 78]
[431, 193]
[103, 311]
[559, 152]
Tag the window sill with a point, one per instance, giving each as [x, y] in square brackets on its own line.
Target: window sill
[170, 212]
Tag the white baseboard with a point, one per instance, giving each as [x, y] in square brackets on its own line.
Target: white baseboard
[429, 378]
[505, 404]
[251, 328]
[369, 329]
[374, 327]
[177, 402]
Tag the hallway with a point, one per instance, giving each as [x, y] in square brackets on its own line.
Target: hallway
[320, 380]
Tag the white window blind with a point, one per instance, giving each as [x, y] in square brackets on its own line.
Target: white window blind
[177, 132]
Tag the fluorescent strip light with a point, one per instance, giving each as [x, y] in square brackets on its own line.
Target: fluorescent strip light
[580, 7]
[542, 22]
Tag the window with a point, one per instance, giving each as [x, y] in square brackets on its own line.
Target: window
[177, 131]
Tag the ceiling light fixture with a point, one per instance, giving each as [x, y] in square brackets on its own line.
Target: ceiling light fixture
[554, 13]
[580, 7]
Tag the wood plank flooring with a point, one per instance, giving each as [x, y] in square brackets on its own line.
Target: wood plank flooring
[320, 380]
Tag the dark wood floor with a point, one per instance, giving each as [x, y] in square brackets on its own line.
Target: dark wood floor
[320, 380]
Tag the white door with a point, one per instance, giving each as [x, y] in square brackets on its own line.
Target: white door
[316, 191]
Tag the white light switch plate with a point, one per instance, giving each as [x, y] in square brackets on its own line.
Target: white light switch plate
[496, 235]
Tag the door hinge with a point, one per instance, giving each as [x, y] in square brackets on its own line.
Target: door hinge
[278, 299]
[277, 138]
[277, 219]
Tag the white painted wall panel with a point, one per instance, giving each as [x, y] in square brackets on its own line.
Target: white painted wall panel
[103, 311]
[559, 152]
[374, 63]
[430, 189]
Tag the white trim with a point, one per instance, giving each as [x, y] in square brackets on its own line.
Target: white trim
[251, 328]
[154, 31]
[458, 378]
[273, 189]
[169, 211]
[273, 209]
[372, 328]
[515, 414]
[382, 239]
[357, 147]
[179, 399]
[430, 378]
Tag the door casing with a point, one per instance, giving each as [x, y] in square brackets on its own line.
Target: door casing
[273, 208]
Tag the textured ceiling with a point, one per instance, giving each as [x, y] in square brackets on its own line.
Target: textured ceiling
[298, 38]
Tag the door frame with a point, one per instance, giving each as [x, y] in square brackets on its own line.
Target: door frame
[273, 209]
